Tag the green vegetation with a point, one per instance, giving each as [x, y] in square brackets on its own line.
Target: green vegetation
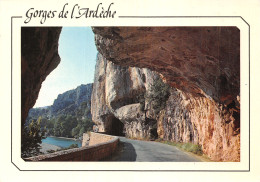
[82, 127]
[67, 126]
[83, 110]
[189, 147]
[62, 126]
[31, 138]
[69, 117]
[158, 95]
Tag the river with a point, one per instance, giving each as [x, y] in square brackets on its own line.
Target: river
[61, 142]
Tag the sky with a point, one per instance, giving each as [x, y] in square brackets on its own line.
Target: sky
[78, 53]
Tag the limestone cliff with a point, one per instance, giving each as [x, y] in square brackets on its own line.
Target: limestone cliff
[116, 108]
[75, 102]
[201, 121]
[203, 64]
[201, 61]
[71, 101]
[115, 99]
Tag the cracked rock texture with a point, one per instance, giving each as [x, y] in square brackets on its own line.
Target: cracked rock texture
[202, 64]
[202, 61]
[201, 121]
[74, 102]
[115, 105]
[39, 56]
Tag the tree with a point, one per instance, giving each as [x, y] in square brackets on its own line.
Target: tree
[75, 132]
[81, 131]
[83, 126]
[50, 127]
[32, 136]
[57, 127]
[158, 94]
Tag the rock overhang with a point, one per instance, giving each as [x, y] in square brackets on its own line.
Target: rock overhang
[201, 61]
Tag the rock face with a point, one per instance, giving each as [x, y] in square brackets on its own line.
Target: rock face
[201, 61]
[203, 64]
[201, 121]
[35, 113]
[115, 99]
[71, 100]
[39, 56]
[75, 102]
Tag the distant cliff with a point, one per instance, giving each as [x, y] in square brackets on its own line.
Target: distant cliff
[72, 101]
[76, 102]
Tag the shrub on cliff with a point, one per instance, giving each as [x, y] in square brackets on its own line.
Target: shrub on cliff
[189, 147]
[158, 94]
[194, 148]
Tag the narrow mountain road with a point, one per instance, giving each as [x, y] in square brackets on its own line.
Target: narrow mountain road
[148, 151]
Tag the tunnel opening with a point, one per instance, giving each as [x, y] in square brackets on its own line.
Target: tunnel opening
[153, 134]
[153, 131]
[114, 126]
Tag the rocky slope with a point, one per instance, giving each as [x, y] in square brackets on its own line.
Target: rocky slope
[203, 64]
[69, 102]
[35, 113]
[75, 102]
[115, 99]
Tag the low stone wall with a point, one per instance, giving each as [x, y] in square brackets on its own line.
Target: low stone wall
[101, 147]
[85, 139]
[97, 138]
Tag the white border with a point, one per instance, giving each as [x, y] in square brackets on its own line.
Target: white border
[206, 166]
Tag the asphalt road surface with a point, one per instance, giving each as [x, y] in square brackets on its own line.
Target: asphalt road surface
[148, 151]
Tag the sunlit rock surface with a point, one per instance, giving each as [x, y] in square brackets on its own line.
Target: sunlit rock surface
[115, 104]
[202, 61]
[74, 102]
[203, 64]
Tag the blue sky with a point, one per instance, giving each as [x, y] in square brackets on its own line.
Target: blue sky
[78, 58]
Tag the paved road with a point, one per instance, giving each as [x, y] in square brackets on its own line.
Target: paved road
[148, 151]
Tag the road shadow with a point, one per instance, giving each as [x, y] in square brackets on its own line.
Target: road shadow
[124, 152]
